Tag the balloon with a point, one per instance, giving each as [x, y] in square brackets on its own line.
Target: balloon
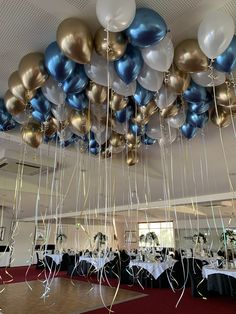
[110, 46]
[136, 129]
[103, 137]
[75, 40]
[178, 120]
[150, 79]
[100, 111]
[146, 140]
[115, 16]
[141, 118]
[200, 107]
[132, 157]
[169, 111]
[22, 117]
[215, 33]
[118, 102]
[116, 150]
[177, 80]
[122, 88]
[6, 122]
[57, 64]
[95, 150]
[60, 112]
[98, 70]
[53, 92]
[165, 97]
[159, 57]
[168, 135]
[189, 57]
[17, 88]
[129, 66]
[154, 127]
[117, 140]
[221, 118]
[225, 95]
[121, 128]
[226, 62]
[97, 125]
[32, 134]
[39, 116]
[149, 109]
[188, 131]
[196, 93]
[133, 141]
[40, 103]
[50, 127]
[204, 79]
[197, 120]
[77, 101]
[124, 114]
[142, 96]
[77, 81]
[32, 71]
[96, 93]
[147, 28]
[65, 134]
[13, 105]
[80, 121]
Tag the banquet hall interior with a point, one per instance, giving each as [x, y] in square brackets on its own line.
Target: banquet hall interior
[117, 156]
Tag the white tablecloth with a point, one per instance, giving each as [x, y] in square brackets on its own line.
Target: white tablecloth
[56, 257]
[155, 269]
[207, 271]
[97, 262]
[4, 259]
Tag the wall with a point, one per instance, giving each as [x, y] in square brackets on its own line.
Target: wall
[7, 224]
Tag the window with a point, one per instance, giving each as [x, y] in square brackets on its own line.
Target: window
[163, 230]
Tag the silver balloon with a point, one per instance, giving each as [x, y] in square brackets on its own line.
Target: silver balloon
[168, 135]
[121, 128]
[205, 79]
[165, 97]
[150, 79]
[100, 111]
[98, 70]
[122, 88]
[22, 117]
[154, 127]
[65, 134]
[53, 92]
[73, 130]
[60, 112]
[97, 126]
[116, 150]
[103, 137]
[178, 120]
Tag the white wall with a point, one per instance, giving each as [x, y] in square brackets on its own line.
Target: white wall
[7, 224]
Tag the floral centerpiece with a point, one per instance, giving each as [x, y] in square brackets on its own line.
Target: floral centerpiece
[199, 240]
[151, 238]
[228, 237]
[100, 239]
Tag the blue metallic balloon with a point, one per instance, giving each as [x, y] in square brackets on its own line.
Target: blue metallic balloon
[124, 114]
[145, 139]
[196, 93]
[197, 120]
[129, 65]
[188, 130]
[7, 125]
[143, 96]
[77, 81]
[39, 116]
[95, 150]
[147, 28]
[226, 62]
[199, 107]
[77, 101]
[57, 64]
[137, 129]
[2, 106]
[40, 103]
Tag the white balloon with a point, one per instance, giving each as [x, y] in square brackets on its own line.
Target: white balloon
[73, 130]
[22, 117]
[115, 15]
[178, 120]
[168, 135]
[215, 33]
[150, 79]
[154, 127]
[165, 97]
[96, 125]
[98, 70]
[122, 88]
[98, 110]
[121, 128]
[159, 57]
[65, 134]
[53, 92]
[60, 112]
[116, 150]
[204, 79]
[103, 137]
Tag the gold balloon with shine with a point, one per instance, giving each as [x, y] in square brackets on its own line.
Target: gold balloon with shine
[14, 105]
[225, 95]
[170, 111]
[50, 127]
[96, 93]
[17, 88]
[117, 140]
[221, 117]
[118, 102]
[132, 157]
[110, 45]
[80, 121]
[75, 40]
[178, 80]
[32, 134]
[132, 140]
[32, 71]
[189, 57]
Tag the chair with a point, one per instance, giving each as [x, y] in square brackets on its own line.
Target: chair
[40, 262]
[66, 261]
[198, 283]
[50, 264]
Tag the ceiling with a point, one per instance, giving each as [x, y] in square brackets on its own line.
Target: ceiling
[183, 173]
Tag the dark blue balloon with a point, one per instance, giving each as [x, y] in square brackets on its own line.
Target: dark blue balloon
[137, 129]
[77, 81]
[2, 106]
[39, 116]
[197, 120]
[199, 107]
[95, 150]
[124, 114]
[226, 62]
[7, 125]
[143, 96]
[57, 64]
[145, 139]
[196, 93]
[5, 116]
[147, 28]
[188, 130]
[129, 65]
[40, 103]
[77, 101]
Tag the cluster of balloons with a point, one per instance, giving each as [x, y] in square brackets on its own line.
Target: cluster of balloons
[125, 87]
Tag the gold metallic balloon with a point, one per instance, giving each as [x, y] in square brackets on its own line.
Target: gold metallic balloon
[75, 40]
[118, 102]
[32, 134]
[189, 57]
[132, 157]
[117, 140]
[116, 46]
[149, 109]
[14, 105]
[225, 95]
[141, 118]
[222, 119]
[32, 71]
[50, 127]
[80, 121]
[17, 88]
[178, 80]
[169, 111]
[96, 93]
[132, 140]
